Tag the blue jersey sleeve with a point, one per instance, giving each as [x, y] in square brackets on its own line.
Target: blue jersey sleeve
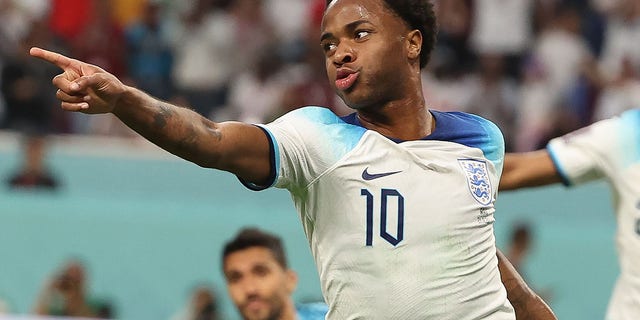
[312, 311]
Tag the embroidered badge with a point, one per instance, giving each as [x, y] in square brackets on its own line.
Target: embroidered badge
[477, 179]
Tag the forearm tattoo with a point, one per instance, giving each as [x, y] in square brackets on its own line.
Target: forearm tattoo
[160, 118]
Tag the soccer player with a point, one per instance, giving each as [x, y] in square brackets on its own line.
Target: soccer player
[259, 280]
[396, 200]
[609, 150]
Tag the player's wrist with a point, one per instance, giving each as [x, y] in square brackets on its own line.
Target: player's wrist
[127, 99]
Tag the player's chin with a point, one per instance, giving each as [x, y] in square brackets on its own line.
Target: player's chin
[250, 312]
[357, 103]
[255, 315]
[352, 99]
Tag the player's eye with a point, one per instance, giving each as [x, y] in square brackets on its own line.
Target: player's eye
[261, 271]
[328, 46]
[360, 34]
[233, 278]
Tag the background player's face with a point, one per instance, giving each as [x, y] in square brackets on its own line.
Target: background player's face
[257, 284]
[366, 52]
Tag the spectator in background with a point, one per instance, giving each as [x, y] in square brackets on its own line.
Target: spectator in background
[503, 28]
[149, 52]
[619, 95]
[259, 280]
[454, 29]
[252, 30]
[203, 46]
[517, 252]
[617, 76]
[16, 23]
[255, 95]
[551, 73]
[29, 99]
[212, 42]
[289, 19]
[445, 81]
[309, 85]
[495, 96]
[519, 246]
[68, 18]
[127, 12]
[203, 305]
[622, 38]
[102, 42]
[66, 295]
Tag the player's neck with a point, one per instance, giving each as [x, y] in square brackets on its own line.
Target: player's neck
[289, 311]
[406, 120]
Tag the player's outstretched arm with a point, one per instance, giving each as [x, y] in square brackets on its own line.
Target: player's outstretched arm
[529, 169]
[528, 305]
[239, 148]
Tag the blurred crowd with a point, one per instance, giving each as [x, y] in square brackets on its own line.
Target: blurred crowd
[67, 294]
[537, 68]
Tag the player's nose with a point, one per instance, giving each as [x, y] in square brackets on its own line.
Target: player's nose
[344, 54]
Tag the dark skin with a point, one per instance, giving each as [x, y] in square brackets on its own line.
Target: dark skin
[355, 35]
[528, 305]
[387, 96]
[530, 169]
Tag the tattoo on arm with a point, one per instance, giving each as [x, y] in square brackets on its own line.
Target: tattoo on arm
[160, 119]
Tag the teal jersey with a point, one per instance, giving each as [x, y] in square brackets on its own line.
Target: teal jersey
[311, 311]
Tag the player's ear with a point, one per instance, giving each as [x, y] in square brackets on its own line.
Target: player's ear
[414, 44]
[292, 280]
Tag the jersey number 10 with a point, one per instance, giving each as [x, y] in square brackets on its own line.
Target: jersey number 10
[386, 195]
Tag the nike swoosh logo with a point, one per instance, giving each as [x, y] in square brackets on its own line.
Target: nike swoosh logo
[371, 176]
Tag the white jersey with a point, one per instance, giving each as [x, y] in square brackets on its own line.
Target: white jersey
[398, 229]
[610, 149]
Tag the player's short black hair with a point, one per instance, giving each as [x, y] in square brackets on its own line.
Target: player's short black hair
[419, 15]
[254, 237]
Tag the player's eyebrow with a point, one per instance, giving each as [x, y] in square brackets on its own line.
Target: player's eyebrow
[326, 35]
[349, 27]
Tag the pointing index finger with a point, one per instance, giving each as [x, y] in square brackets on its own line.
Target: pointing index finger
[59, 60]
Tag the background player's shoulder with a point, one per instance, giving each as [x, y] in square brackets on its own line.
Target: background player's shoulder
[312, 311]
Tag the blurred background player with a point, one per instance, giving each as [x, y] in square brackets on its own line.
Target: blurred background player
[202, 305]
[66, 295]
[607, 150]
[520, 245]
[259, 281]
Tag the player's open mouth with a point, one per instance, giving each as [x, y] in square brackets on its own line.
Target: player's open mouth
[345, 79]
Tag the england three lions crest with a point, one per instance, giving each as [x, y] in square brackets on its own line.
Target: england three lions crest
[477, 179]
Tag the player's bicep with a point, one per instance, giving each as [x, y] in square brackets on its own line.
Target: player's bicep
[528, 170]
[246, 151]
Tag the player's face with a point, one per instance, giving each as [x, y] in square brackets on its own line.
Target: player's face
[365, 49]
[257, 284]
